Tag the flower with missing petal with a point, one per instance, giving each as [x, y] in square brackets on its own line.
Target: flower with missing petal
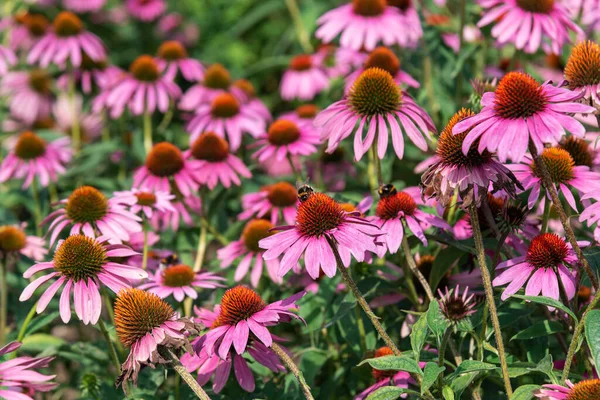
[82, 264]
[521, 111]
[584, 390]
[304, 79]
[179, 281]
[146, 324]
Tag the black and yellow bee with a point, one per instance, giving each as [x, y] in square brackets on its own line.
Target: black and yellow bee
[304, 192]
[387, 190]
[171, 259]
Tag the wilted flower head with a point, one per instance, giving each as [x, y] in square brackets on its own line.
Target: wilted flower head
[454, 306]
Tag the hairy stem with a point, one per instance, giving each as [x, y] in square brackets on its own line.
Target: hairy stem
[489, 293]
[442, 355]
[289, 363]
[546, 215]
[182, 371]
[413, 266]
[111, 347]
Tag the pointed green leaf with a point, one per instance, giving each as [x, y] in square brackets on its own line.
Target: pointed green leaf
[395, 363]
[592, 334]
[430, 375]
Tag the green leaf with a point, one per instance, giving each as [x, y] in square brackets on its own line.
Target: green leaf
[396, 363]
[448, 393]
[430, 374]
[442, 264]
[460, 383]
[40, 342]
[592, 334]
[435, 319]
[546, 366]
[547, 301]
[524, 392]
[539, 329]
[347, 304]
[473, 365]
[390, 393]
[418, 335]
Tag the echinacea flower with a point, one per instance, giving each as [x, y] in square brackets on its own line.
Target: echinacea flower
[384, 58]
[581, 151]
[385, 378]
[216, 80]
[377, 104]
[32, 157]
[29, 94]
[304, 78]
[242, 312]
[284, 139]
[91, 75]
[582, 71]
[250, 253]
[563, 172]
[529, 24]
[145, 10]
[587, 389]
[319, 220]
[226, 115]
[67, 41]
[398, 208]
[277, 201]
[454, 170]
[454, 306]
[83, 265]
[172, 57]
[547, 255]
[246, 93]
[180, 281]
[166, 164]
[144, 89]
[147, 202]
[14, 240]
[18, 380]
[305, 115]
[146, 324]
[365, 23]
[215, 162]
[7, 59]
[209, 365]
[86, 6]
[522, 111]
[65, 112]
[88, 210]
[183, 207]
[26, 28]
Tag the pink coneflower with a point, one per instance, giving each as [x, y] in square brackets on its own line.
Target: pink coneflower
[31, 157]
[18, 381]
[304, 79]
[383, 58]
[217, 80]
[587, 389]
[396, 208]
[320, 219]
[146, 202]
[172, 57]
[179, 281]
[67, 41]
[456, 307]
[529, 23]
[583, 152]
[243, 311]
[82, 264]
[581, 70]
[246, 93]
[164, 220]
[278, 201]
[29, 93]
[385, 378]
[26, 28]
[563, 171]
[284, 139]
[146, 10]
[453, 170]
[374, 102]
[83, 6]
[7, 59]
[520, 111]
[305, 115]
[88, 211]
[226, 115]
[547, 255]
[251, 254]
[365, 23]
[143, 90]
[143, 323]
[92, 74]
[165, 164]
[66, 111]
[215, 162]
[209, 365]
[13, 240]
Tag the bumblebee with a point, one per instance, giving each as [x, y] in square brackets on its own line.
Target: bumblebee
[387, 190]
[171, 259]
[304, 192]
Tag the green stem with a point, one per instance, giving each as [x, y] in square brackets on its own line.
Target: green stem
[442, 355]
[372, 174]
[452, 207]
[289, 363]
[182, 371]
[147, 132]
[549, 185]
[38, 207]
[23, 329]
[106, 128]
[145, 251]
[3, 300]
[459, 76]
[111, 347]
[75, 128]
[201, 249]
[413, 265]
[166, 119]
[295, 171]
[546, 215]
[376, 165]
[361, 328]
[489, 293]
[301, 31]
[53, 192]
[575, 338]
